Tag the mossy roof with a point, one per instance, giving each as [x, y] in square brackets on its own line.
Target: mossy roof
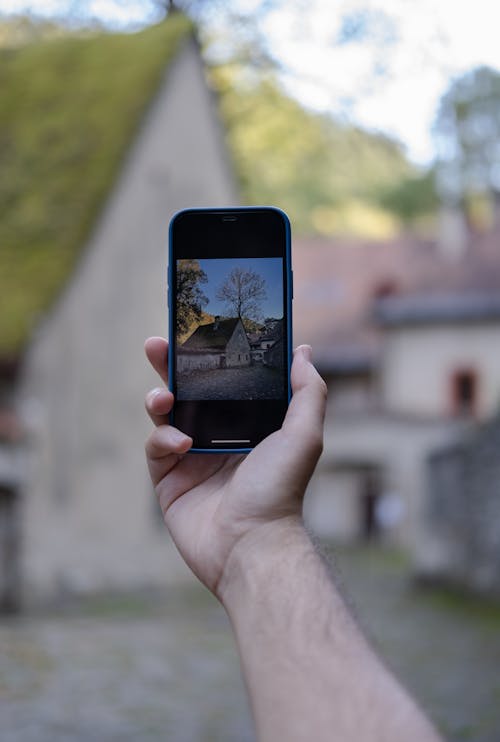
[214, 336]
[69, 109]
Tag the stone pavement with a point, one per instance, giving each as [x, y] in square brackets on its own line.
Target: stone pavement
[443, 646]
[134, 668]
[123, 671]
[247, 382]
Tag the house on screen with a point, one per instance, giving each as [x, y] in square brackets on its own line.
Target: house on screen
[261, 343]
[88, 518]
[256, 351]
[273, 356]
[407, 336]
[272, 342]
[222, 343]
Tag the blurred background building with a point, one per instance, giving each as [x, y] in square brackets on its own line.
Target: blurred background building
[103, 136]
[78, 489]
[406, 334]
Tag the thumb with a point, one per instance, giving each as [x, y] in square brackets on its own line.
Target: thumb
[305, 416]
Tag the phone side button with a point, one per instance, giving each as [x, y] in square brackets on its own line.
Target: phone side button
[291, 284]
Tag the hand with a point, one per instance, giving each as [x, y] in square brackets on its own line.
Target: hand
[211, 503]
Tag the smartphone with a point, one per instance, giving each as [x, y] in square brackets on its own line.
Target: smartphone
[230, 317]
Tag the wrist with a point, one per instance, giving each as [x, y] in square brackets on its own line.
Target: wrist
[257, 556]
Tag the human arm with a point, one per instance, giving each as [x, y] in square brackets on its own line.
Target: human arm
[237, 521]
[310, 673]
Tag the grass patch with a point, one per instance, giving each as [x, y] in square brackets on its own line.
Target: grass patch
[460, 602]
[69, 108]
[173, 602]
[378, 556]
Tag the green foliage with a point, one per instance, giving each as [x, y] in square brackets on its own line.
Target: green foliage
[467, 132]
[69, 107]
[482, 608]
[309, 164]
[190, 297]
[412, 197]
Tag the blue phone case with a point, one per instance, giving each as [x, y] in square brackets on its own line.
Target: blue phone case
[289, 281]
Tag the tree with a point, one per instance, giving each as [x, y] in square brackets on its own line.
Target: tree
[467, 134]
[190, 297]
[411, 197]
[272, 139]
[243, 291]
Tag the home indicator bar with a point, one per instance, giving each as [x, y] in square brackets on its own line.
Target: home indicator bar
[231, 440]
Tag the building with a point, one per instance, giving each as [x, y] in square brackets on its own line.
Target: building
[11, 468]
[463, 517]
[272, 342]
[408, 340]
[267, 345]
[89, 517]
[273, 355]
[222, 343]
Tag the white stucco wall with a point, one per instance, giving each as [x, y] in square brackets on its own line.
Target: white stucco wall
[351, 395]
[196, 361]
[397, 431]
[418, 364]
[331, 505]
[399, 448]
[89, 511]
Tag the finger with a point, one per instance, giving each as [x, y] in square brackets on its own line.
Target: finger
[159, 403]
[163, 448]
[157, 352]
[165, 440]
[305, 416]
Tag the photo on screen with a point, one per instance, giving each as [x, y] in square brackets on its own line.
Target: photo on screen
[230, 329]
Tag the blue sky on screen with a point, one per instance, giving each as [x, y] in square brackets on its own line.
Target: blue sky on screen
[270, 269]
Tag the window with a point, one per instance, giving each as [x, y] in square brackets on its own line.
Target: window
[388, 287]
[464, 392]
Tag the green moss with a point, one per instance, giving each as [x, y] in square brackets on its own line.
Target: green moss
[69, 108]
[484, 609]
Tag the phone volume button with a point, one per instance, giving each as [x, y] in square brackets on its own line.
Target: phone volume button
[291, 284]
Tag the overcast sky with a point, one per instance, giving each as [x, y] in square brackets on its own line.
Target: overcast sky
[393, 77]
[382, 64]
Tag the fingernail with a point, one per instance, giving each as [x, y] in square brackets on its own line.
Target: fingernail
[153, 394]
[307, 352]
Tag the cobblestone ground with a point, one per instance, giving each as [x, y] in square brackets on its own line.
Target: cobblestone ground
[136, 669]
[123, 671]
[444, 647]
[251, 382]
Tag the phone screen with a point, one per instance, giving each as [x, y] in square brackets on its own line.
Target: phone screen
[229, 277]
